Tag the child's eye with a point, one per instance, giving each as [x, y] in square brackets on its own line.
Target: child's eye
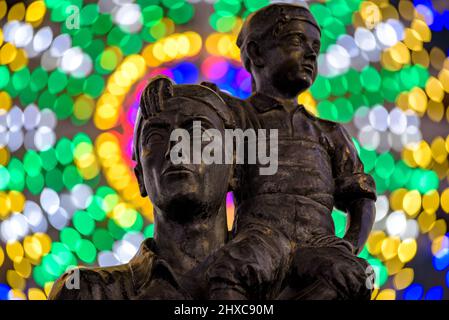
[297, 39]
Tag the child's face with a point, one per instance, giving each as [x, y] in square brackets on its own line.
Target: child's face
[290, 60]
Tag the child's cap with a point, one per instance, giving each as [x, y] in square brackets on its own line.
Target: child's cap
[262, 21]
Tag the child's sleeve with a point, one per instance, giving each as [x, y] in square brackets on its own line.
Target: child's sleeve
[351, 182]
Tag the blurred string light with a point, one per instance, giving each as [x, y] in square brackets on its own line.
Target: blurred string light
[374, 72]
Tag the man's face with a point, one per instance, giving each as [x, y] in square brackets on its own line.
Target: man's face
[180, 189]
[290, 60]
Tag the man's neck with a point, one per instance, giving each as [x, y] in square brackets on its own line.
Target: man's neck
[183, 246]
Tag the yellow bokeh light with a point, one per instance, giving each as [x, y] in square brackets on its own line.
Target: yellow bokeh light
[7, 53]
[413, 40]
[225, 45]
[388, 11]
[16, 294]
[14, 280]
[412, 202]
[426, 221]
[417, 100]
[374, 242]
[23, 267]
[148, 55]
[439, 152]
[389, 247]
[47, 287]
[17, 200]
[4, 156]
[438, 229]
[386, 294]
[437, 57]
[36, 294]
[439, 243]
[397, 198]
[5, 101]
[45, 242]
[3, 9]
[445, 200]
[434, 89]
[196, 43]
[19, 61]
[5, 205]
[431, 201]
[212, 44]
[422, 154]
[421, 57]
[170, 47]
[443, 76]
[14, 250]
[33, 247]
[183, 44]
[159, 52]
[403, 278]
[435, 111]
[2, 256]
[17, 12]
[400, 53]
[370, 13]
[35, 12]
[422, 29]
[406, 9]
[393, 266]
[407, 250]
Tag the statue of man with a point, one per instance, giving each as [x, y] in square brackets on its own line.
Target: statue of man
[189, 201]
[284, 244]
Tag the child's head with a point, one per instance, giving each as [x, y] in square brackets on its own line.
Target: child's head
[279, 46]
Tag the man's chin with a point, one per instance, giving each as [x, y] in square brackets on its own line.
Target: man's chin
[182, 204]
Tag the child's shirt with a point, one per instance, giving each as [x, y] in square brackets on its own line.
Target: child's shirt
[318, 168]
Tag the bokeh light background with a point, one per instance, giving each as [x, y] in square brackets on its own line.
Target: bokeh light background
[71, 72]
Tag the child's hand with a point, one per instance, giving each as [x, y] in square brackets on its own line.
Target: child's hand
[342, 271]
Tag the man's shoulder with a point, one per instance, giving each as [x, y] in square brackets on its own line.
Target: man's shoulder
[111, 283]
[91, 283]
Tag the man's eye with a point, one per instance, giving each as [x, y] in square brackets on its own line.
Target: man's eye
[154, 137]
[203, 128]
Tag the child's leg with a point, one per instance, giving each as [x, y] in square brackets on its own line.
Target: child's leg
[332, 272]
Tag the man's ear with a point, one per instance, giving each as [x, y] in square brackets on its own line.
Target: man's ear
[139, 175]
[255, 54]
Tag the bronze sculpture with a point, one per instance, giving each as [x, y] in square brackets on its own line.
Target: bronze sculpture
[283, 242]
[282, 221]
[189, 202]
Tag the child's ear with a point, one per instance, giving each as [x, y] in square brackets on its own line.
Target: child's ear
[139, 175]
[255, 54]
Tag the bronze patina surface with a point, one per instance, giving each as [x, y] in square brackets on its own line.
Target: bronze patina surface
[283, 243]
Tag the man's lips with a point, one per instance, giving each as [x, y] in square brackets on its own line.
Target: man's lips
[176, 169]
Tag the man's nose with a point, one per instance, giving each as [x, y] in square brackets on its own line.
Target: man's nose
[170, 145]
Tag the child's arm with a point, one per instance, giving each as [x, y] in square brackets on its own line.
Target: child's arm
[361, 214]
[355, 191]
